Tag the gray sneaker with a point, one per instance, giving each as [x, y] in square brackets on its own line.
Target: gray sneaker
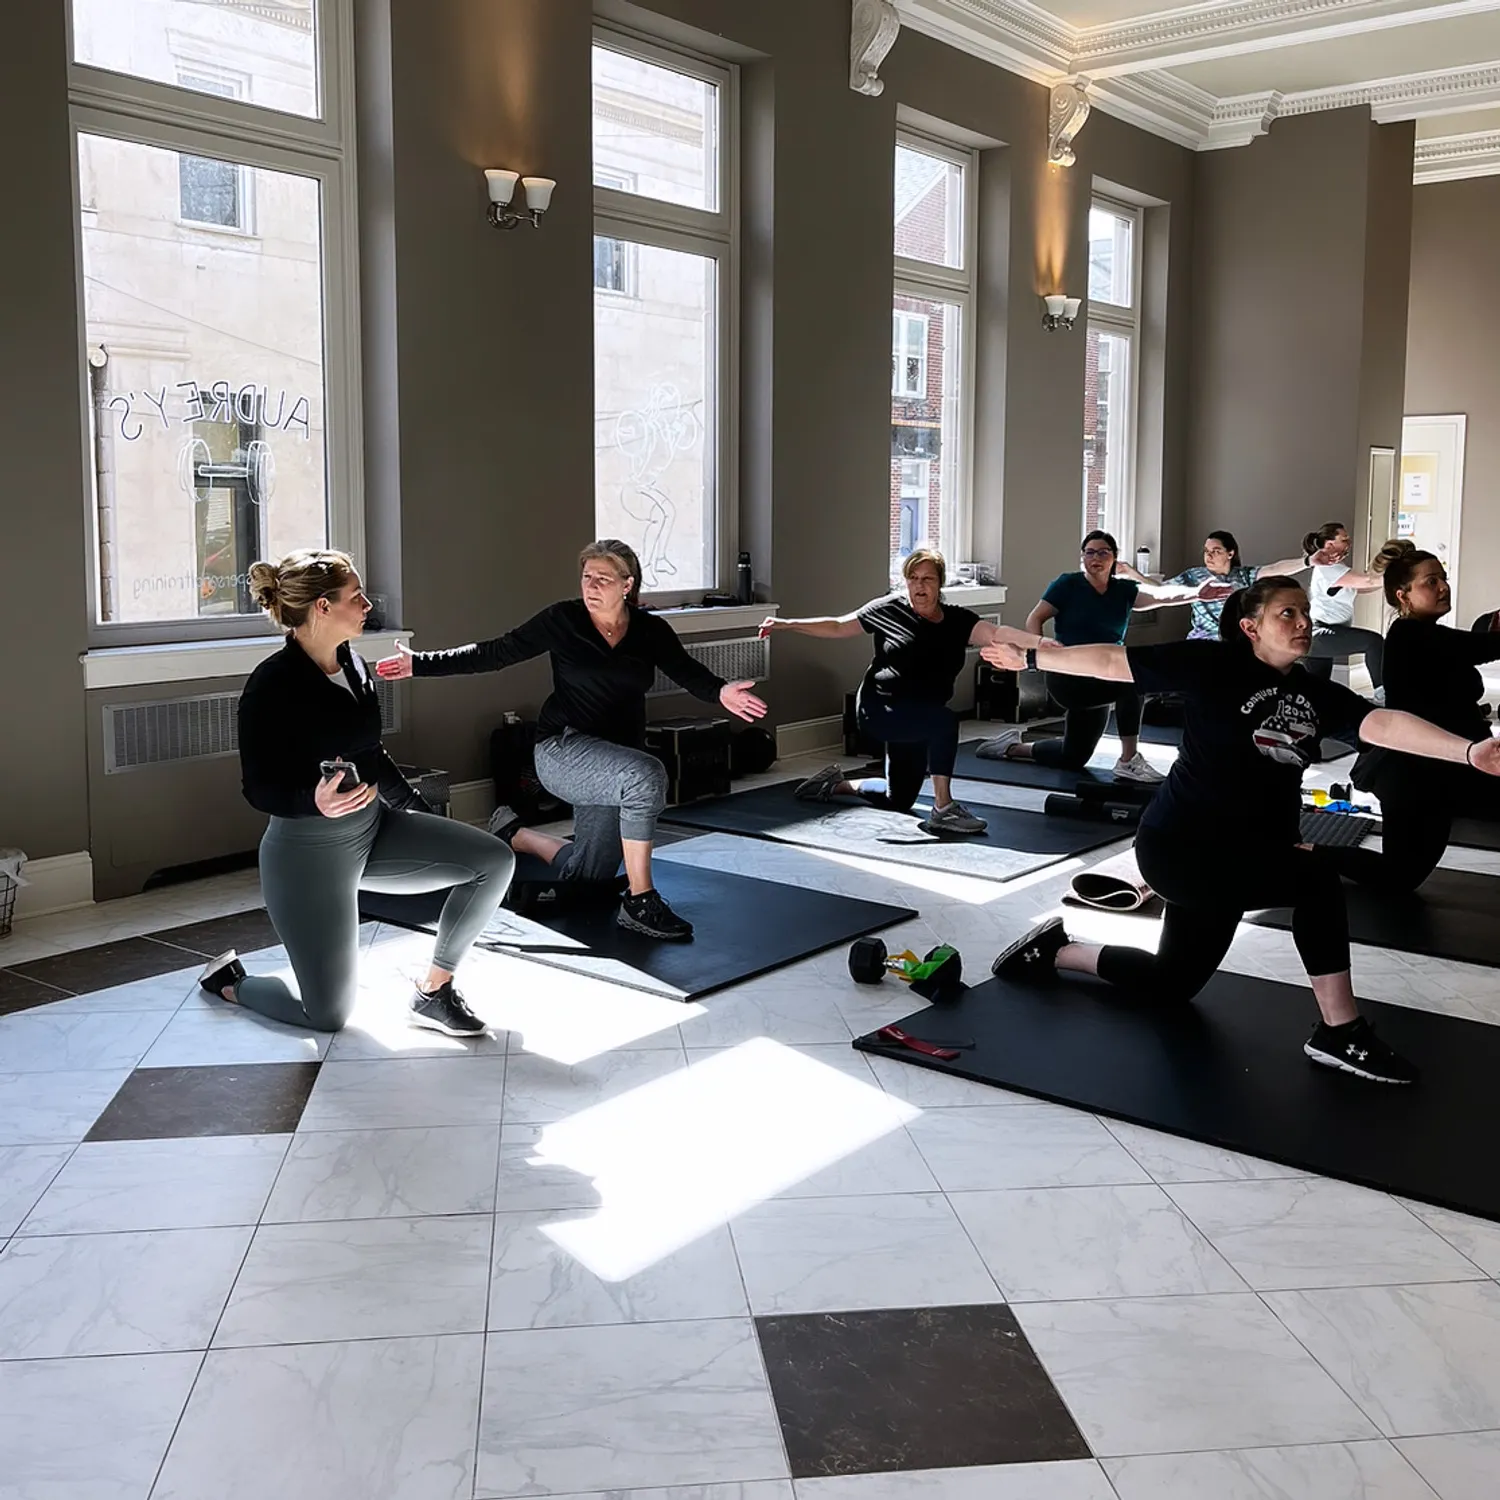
[952, 821]
[505, 823]
[996, 747]
[819, 788]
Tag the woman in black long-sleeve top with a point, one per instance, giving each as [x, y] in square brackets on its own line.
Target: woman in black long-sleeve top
[331, 835]
[591, 733]
[1431, 670]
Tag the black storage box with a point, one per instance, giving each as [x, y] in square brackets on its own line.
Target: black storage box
[696, 755]
[513, 769]
[432, 786]
[1010, 697]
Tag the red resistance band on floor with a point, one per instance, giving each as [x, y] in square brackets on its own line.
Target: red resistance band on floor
[899, 1038]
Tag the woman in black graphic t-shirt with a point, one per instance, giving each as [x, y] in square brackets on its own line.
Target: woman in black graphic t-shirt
[1254, 718]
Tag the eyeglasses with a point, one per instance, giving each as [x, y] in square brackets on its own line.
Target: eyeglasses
[1095, 552]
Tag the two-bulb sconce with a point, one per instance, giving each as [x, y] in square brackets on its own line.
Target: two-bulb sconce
[1061, 312]
[502, 186]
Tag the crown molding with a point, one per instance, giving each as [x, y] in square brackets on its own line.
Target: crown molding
[1161, 103]
[1013, 34]
[1408, 97]
[1448, 158]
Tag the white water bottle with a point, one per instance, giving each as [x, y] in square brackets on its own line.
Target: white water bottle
[1143, 560]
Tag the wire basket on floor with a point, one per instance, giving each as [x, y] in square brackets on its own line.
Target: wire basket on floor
[8, 889]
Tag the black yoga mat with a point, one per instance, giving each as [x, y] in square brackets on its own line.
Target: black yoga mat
[1475, 833]
[1228, 1070]
[742, 927]
[973, 767]
[1015, 842]
[1452, 914]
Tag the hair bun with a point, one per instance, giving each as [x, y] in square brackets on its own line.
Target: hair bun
[1393, 551]
[265, 584]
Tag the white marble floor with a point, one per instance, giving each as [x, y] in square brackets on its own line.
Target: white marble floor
[532, 1267]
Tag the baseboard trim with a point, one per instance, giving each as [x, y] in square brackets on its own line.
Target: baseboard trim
[809, 735]
[60, 882]
[471, 801]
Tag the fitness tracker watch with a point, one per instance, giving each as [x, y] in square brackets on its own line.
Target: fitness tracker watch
[1031, 658]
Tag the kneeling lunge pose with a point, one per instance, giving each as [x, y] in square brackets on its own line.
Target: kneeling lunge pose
[1253, 714]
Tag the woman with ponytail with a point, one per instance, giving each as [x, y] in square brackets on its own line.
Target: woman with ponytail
[1334, 587]
[1254, 718]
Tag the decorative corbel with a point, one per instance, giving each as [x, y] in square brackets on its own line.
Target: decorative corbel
[1068, 109]
[872, 33]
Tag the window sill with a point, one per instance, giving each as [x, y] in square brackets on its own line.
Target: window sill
[976, 596]
[718, 620]
[193, 661]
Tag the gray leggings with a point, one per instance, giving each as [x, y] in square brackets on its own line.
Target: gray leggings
[1334, 642]
[617, 793]
[311, 873]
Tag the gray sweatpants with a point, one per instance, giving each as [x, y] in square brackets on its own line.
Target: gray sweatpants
[311, 873]
[617, 793]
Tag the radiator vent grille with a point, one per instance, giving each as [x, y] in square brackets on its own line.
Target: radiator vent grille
[734, 661]
[178, 729]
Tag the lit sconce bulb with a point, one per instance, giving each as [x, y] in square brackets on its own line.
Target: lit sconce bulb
[1070, 307]
[502, 185]
[538, 192]
[1055, 305]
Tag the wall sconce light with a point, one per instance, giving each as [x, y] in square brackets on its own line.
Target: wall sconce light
[502, 186]
[1061, 312]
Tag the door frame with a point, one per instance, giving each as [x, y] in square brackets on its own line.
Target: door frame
[1456, 425]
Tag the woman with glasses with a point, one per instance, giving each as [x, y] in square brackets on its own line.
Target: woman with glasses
[1092, 607]
[591, 734]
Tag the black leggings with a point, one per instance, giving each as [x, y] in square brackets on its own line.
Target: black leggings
[1207, 894]
[1086, 702]
[919, 739]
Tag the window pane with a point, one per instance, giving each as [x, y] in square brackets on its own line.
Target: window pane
[1111, 252]
[262, 51]
[205, 358]
[929, 208]
[656, 131]
[926, 358]
[1106, 418]
[655, 404]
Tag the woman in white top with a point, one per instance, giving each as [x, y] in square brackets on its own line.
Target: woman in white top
[1332, 592]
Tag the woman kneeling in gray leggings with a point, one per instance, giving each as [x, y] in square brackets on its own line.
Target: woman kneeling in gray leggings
[591, 734]
[337, 830]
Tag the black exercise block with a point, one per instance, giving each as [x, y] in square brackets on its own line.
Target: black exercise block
[742, 927]
[1016, 842]
[1452, 914]
[1228, 1070]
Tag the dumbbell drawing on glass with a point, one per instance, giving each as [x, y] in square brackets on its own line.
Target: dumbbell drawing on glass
[937, 977]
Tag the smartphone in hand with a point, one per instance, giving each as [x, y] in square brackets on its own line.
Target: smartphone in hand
[348, 774]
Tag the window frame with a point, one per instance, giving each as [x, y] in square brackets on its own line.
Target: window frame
[637, 220]
[927, 280]
[904, 319]
[145, 112]
[1111, 318]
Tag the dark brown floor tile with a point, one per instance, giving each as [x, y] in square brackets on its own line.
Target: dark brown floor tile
[107, 964]
[172, 1103]
[17, 992]
[917, 1388]
[244, 931]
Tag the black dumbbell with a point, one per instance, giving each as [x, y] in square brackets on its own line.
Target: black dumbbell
[867, 960]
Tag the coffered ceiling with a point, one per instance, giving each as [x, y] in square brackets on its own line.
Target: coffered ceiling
[1217, 75]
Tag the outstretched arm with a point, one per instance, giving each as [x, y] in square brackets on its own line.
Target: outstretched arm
[985, 634]
[1107, 662]
[1160, 595]
[533, 638]
[1395, 730]
[822, 627]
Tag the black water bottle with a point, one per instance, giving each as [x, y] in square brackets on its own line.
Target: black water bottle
[745, 585]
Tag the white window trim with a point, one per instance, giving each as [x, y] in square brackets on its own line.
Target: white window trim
[903, 319]
[151, 113]
[714, 234]
[1110, 317]
[923, 279]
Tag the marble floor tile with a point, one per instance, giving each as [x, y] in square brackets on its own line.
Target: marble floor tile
[171, 1103]
[791, 1004]
[203, 1034]
[541, 1278]
[25, 1173]
[929, 1089]
[406, 1092]
[380, 1029]
[387, 1174]
[42, 1041]
[1170, 1158]
[1418, 1359]
[1314, 1233]
[1175, 1374]
[244, 931]
[532, 1176]
[1458, 1466]
[1076, 1479]
[1325, 1471]
[569, 1410]
[115, 1186]
[1478, 1239]
[756, 1489]
[378, 1419]
[1068, 1244]
[142, 1293]
[936, 1388]
[42, 1108]
[89, 1429]
[1014, 1146]
[361, 1278]
[104, 964]
[539, 1090]
[17, 993]
[161, 992]
[831, 1254]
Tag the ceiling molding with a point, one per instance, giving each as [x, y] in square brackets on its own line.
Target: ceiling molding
[1410, 97]
[1012, 34]
[1448, 158]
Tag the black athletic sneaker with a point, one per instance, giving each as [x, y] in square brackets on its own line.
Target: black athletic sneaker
[1354, 1048]
[1031, 957]
[445, 1010]
[649, 915]
[218, 973]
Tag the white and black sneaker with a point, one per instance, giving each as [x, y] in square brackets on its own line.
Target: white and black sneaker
[1031, 958]
[445, 1010]
[221, 972]
[954, 820]
[505, 823]
[820, 787]
[997, 747]
[1137, 769]
[1354, 1048]
[650, 916]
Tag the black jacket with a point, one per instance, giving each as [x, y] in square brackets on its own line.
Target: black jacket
[291, 717]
